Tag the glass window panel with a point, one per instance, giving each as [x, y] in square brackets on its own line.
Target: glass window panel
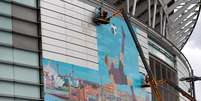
[25, 57]
[25, 42]
[27, 90]
[24, 13]
[169, 74]
[5, 23]
[6, 71]
[31, 3]
[6, 99]
[5, 8]
[6, 88]
[6, 0]
[23, 100]
[25, 27]
[6, 54]
[5, 38]
[158, 71]
[26, 74]
[163, 72]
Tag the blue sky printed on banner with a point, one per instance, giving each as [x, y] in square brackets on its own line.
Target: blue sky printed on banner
[109, 43]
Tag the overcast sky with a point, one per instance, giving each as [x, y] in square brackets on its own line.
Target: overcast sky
[192, 51]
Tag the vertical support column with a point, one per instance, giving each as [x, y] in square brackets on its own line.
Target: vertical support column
[149, 11]
[40, 51]
[134, 7]
[161, 20]
[154, 14]
[193, 86]
[127, 5]
[164, 26]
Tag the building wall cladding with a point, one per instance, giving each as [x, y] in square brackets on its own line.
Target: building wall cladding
[19, 58]
[179, 66]
[175, 63]
[70, 31]
[69, 24]
[183, 72]
[69, 35]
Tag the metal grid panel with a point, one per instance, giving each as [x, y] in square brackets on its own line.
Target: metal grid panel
[169, 18]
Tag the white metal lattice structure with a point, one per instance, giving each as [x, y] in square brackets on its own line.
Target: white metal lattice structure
[173, 19]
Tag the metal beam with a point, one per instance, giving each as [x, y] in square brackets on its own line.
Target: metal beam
[134, 7]
[180, 43]
[157, 16]
[180, 47]
[154, 14]
[184, 16]
[166, 1]
[179, 12]
[181, 27]
[182, 31]
[142, 7]
[176, 87]
[161, 20]
[181, 24]
[149, 11]
[183, 35]
[164, 6]
[182, 39]
[173, 6]
[164, 25]
[127, 5]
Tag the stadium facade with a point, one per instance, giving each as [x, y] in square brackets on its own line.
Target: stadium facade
[51, 50]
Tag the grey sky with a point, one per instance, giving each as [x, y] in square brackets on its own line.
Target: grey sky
[192, 51]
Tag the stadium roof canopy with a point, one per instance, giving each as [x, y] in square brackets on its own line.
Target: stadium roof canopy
[173, 19]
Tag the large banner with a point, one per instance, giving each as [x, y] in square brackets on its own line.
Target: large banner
[117, 77]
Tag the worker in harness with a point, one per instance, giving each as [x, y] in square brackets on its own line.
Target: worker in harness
[101, 17]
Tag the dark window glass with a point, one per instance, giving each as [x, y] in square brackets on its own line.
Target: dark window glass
[24, 13]
[25, 27]
[169, 74]
[163, 72]
[31, 3]
[158, 71]
[25, 42]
